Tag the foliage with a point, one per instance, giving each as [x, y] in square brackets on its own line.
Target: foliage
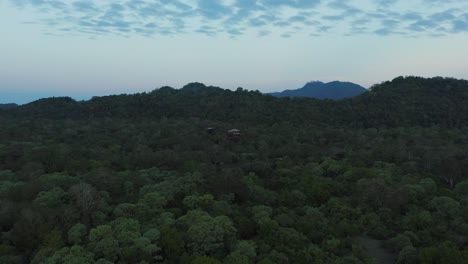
[139, 179]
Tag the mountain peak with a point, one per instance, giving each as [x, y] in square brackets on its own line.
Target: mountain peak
[335, 90]
[315, 82]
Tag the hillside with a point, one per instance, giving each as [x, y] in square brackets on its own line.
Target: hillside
[332, 90]
[8, 106]
[410, 101]
[140, 179]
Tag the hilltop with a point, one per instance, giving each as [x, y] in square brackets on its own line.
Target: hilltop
[404, 101]
[333, 90]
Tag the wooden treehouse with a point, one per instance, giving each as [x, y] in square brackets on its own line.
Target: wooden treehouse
[233, 134]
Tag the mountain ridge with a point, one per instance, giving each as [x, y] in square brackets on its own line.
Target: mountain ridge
[404, 101]
[335, 90]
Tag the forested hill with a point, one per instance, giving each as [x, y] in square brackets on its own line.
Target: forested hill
[159, 178]
[333, 90]
[8, 106]
[410, 101]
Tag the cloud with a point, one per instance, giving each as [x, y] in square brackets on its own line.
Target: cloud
[443, 16]
[383, 31]
[282, 24]
[388, 27]
[257, 22]
[213, 9]
[386, 3]
[235, 32]
[422, 25]
[345, 8]
[324, 28]
[285, 18]
[298, 19]
[301, 4]
[207, 30]
[333, 17]
[263, 33]
[411, 16]
[460, 26]
[85, 6]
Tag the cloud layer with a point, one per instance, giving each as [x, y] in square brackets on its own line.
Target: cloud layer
[284, 18]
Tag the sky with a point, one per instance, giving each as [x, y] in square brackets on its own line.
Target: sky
[85, 48]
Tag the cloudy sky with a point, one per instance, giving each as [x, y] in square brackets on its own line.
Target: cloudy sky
[82, 48]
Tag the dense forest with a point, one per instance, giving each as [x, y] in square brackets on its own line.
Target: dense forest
[8, 106]
[155, 177]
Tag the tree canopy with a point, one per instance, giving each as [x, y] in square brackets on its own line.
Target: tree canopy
[139, 178]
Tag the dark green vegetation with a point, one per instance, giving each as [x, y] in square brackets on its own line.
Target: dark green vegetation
[139, 178]
[8, 106]
[332, 90]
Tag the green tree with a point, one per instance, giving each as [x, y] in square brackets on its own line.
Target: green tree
[77, 233]
[205, 260]
[73, 255]
[212, 236]
[51, 199]
[103, 244]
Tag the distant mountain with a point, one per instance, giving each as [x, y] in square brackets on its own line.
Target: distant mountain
[332, 90]
[402, 102]
[8, 106]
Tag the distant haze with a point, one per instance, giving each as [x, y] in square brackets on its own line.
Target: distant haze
[85, 48]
